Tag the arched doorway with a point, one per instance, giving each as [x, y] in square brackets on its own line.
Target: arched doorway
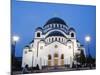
[55, 59]
[62, 59]
[49, 60]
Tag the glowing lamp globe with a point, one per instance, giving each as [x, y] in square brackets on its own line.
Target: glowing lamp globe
[15, 38]
[87, 39]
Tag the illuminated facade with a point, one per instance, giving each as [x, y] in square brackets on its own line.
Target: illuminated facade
[54, 44]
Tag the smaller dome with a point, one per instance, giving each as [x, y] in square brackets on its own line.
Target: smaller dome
[71, 29]
[56, 20]
[38, 28]
[26, 46]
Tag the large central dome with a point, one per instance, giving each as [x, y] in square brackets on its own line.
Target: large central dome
[55, 20]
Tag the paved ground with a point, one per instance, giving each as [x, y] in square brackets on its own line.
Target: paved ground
[52, 70]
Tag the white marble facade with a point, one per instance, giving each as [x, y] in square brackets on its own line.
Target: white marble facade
[54, 44]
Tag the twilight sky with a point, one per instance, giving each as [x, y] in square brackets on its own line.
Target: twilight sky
[26, 16]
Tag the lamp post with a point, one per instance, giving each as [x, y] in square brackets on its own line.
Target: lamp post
[14, 40]
[88, 39]
[13, 60]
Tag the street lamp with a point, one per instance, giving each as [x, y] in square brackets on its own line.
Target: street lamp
[88, 39]
[14, 40]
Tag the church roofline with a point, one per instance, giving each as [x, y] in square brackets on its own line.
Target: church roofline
[55, 20]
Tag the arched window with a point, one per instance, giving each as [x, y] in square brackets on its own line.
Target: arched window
[52, 39]
[38, 34]
[72, 34]
[30, 50]
[59, 39]
[49, 57]
[46, 40]
[55, 39]
[62, 39]
[62, 56]
[56, 25]
[25, 52]
[62, 26]
[55, 55]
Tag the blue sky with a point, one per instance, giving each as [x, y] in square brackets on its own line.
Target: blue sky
[26, 16]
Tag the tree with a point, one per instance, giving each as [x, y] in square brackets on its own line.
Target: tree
[91, 62]
[80, 58]
[37, 67]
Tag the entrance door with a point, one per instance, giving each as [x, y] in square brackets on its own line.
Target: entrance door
[62, 62]
[62, 59]
[55, 59]
[49, 60]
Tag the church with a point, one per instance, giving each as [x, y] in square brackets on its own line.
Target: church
[54, 44]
